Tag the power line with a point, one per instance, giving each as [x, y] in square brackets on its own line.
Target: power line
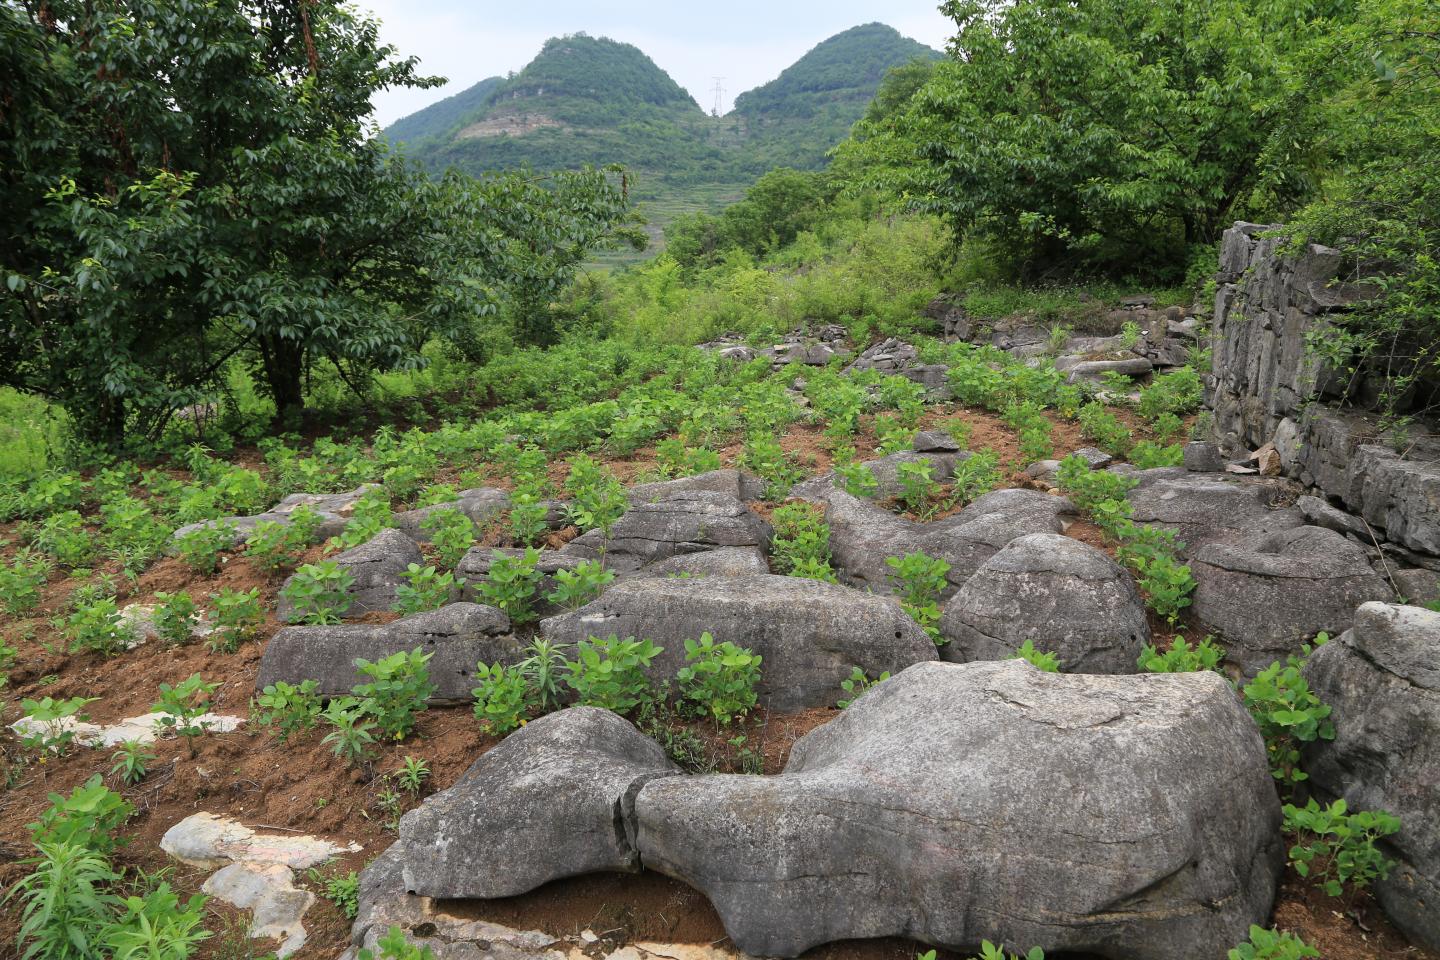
[719, 96]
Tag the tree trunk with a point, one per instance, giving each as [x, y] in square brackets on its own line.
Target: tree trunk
[284, 364]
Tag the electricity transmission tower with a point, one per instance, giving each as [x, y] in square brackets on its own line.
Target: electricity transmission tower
[719, 96]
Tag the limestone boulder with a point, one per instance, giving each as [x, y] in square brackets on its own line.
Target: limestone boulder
[458, 636]
[810, 634]
[378, 567]
[552, 800]
[1208, 508]
[685, 522]
[1125, 817]
[740, 484]
[1382, 682]
[1067, 597]
[481, 505]
[334, 510]
[1268, 595]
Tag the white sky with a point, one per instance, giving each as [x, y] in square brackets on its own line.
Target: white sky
[748, 42]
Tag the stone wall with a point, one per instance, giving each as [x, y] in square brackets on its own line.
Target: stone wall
[1266, 388]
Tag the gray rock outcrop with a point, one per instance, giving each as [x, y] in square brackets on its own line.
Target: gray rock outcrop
[1382, 682]
[740, 484]
[377, 566]
[481, 505]
[1268, 595]
[553, 800]
[689, 521]
[810, 634]
[458, 636]
[1069, 598]
[959, 802]
[1205, 508]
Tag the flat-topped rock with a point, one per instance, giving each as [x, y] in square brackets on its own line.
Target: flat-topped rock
[739, 484]
[1067, 597]
[1209, 508]
[334, 510]
[810, 634]
[458, 636]
[689, 521]
[720, 562]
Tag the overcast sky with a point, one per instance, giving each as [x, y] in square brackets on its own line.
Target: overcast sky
[748, 42]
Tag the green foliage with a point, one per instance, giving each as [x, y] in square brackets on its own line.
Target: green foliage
[610, 673]
[397, 690]
[66, 903]
[1039, 659]
[511, 584]
[63, 536]
[801, 545]
[353, 730]
[544, 668]
[1099, 425]
[97, 626]
[1166, 582]
[131, 761]
[919, 579]
[394, 946]
[718, 680]
[201, 547]
[576, 587]
[856, 685]
[371, 514]
[856, 479]
[290, 708]
[20, 583]
[341, 889]
[452, 534]
[175, 617]
[502, 698]
[1272, 945]
[1177, 393]
[1147, 455]
[183, 705]
[90, 817]
[412, 775]
[598, 498]
[974, 477]
[527, 517]
[1337, 847]
[424, 589]
[1289, 714]
[764, 456]
[319, 592]
[277, 546]
[238, 617]
[1181, 657]
[53, 718]
[1088, 488]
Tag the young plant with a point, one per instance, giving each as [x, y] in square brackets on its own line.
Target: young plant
[857, 683]
[452, 534]
[412, 775]
[90, 817]
[1338, 847]
[276, 546]
[20, 583]
[801, 536]
[292, 709]
[610, 673]
[544, 671]
[1288, 714]
[856, 479]
[238, 617]
[63, 536]
[1166, 582]
[719, 680]
[511, 584]
[424, 589]
[66, 907]
[319, 592]
[1271, 945]
[918, 486]
[341, 889]
[502, 698]
[175, 618]
[527, 518]
[920, 579]
[975, 476]
[394, 946]
[371, 514]
[1103, 428]
[577, 587]
[397, 691]
[51, 722]
[201, 547]
[98, 627]
[353, 730]
[182, 707]
[1181, 657]
[131, 761]
[1039, 659]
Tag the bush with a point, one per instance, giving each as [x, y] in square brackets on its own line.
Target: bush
[292, 709]
[1272, 945]
[920, 579]
[1181, 657]
[511, 584]
[201, 547]
[319, 592]
[98, 627]
[277, 546]
[452, 534]
[238, 617]
[370, 515]
[182, 707]
[719, 679]
[1336, 847]
[610, 673]
[20, 583]
[175, 618]
[1088, 488]
[90, 817]
[353, 729]
[1288, 714]
[1039, 659]
[802, 538]
[577, 587]
[502, 698]
[397, 691]
[424, 589]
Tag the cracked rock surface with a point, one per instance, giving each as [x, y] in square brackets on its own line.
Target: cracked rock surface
[687, 521]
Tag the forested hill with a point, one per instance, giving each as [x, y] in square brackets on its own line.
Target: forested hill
[593, 100]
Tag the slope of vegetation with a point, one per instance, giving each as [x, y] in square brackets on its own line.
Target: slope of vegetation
[443, 117]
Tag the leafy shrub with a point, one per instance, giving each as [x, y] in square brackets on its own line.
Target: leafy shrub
[90, 817]
[20, 583]
[201, 547]
[1147, 455]
[424, 589]
[1338, 847]
[801, 536]
[182, 707]
[1272, 945]
[290, 708]
[918, 487]
[452, 534]
[66, 907]
[502, 698]
[394, 946]
[1181, 657]
[527, 517]
[1177, 393]
[610, 673]
[719, 679]
[131, 761]
[54, 719]
[353, 729]
[920, 579]
[341, 889]
[63, 536]
[1166, 582]
[1039, 659]
[370, 515]
[98, 627]
[511, 584]
[856, 685]
[1101, 427]
[577, 587]
[238, 617]
[974, 477]
[764, 456]
[856, 479]
[1288, 714]
[1088, 488]
[277, 546]
[175, 618]
[397, 690]
[319, 592]
[598, 498]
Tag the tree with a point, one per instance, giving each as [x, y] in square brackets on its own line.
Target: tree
[189, 185]
[776, 208]
[1102, 135]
